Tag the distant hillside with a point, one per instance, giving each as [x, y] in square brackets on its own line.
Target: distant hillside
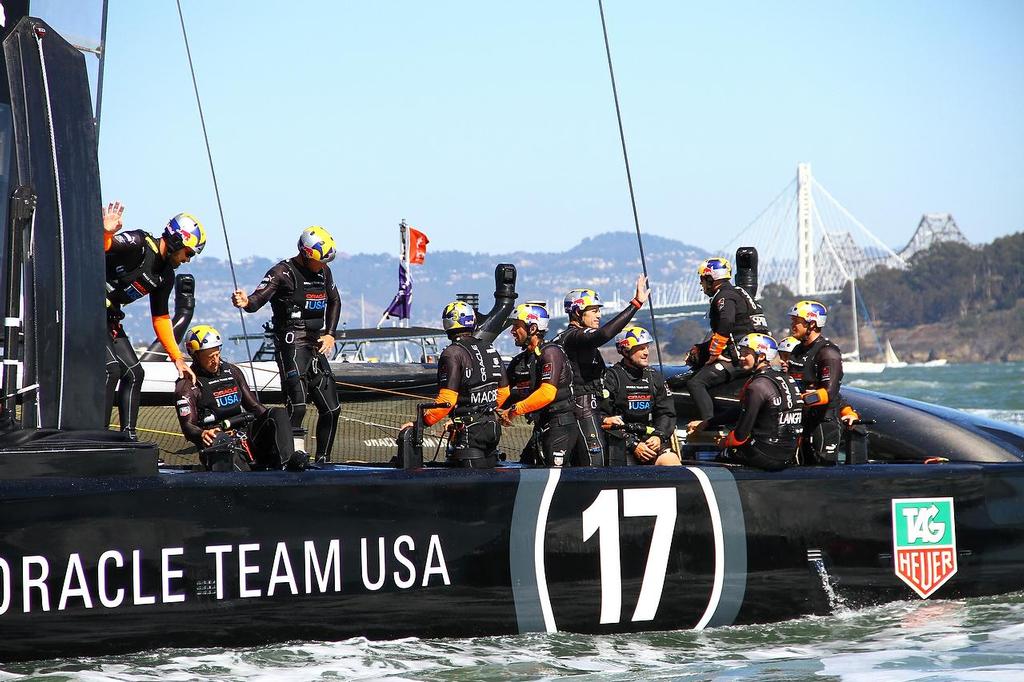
[607, 262]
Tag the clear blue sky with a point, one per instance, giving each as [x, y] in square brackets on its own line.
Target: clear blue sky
[491, 125]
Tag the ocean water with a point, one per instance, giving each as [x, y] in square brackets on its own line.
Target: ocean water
[973, 639]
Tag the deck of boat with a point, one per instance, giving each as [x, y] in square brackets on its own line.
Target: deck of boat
[366, 433]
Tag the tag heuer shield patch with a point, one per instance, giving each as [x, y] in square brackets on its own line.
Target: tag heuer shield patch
[924, 542]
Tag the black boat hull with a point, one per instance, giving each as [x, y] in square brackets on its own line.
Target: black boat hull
[127, 563]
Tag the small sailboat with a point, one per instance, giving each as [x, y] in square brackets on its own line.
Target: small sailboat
[852, 364]
[891, 359]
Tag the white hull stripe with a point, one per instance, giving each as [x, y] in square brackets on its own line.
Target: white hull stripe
[526, 549]
[729, 532]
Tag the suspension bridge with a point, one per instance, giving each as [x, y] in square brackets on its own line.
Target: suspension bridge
[810, 243]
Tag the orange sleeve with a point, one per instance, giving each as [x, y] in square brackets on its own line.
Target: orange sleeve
[165, 332]
[731, 441]
[436, 414]
[503, 392]
[847, 411]
[717, 344]
[816, 398]
[540, 398]
[108, 239]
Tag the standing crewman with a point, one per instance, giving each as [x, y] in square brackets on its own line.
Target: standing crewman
[582, 341]
[212, 411]
[549, 402]
[529, 325]
[306, 309]
[733, 313]
[471, 383]
[638, 411]
[137, 264]
[768, 419]
[786, 347]
[817, 366]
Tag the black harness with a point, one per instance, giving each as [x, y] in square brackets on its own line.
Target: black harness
[306, 308]
[478, 391]
[219, 396]
[781, 422]
[125, 286]
[801, 362]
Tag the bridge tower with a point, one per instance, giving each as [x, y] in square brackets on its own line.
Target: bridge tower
[805, 281]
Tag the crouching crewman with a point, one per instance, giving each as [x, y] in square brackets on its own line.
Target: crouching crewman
[222, 417]
[638, 412]
[769, 418]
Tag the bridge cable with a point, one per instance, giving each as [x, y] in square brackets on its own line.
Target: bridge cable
[629, 181]
[216, 191]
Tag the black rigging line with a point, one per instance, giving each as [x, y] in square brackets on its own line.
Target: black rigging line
[629, 181]
[216, 191]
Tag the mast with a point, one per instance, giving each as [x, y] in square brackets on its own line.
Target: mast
[856, 329]
[804, 237]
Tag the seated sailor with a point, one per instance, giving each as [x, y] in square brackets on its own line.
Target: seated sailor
[786, 348]
[768, 420]
[222, 417]
[732, 313]
[638, 412]
[471, 384]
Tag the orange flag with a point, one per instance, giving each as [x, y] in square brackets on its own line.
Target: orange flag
[417, 246]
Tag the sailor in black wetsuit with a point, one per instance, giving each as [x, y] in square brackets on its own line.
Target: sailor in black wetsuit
[733, 313]
[306, 308]
[221, 397]
[582, 340]
[817, 366]
[638, 412]
[138, 264]
[529, 325]
[767, 421]
[548, 401]
[471, 381]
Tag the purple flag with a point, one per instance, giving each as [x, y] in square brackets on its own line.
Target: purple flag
[401, 304]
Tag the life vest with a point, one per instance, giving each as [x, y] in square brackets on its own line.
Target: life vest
[750, 317]
[125, 286]
[523, 374]
[801, 363]
[780, 422]
[634, 401]
[586, 364]
[219, 396]
[564, 392]
[306, 308]
[478, 391]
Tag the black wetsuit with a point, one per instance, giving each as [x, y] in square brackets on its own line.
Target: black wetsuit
[733, 314]
[305, 305]
[642, 398]
[523, 374]
[767, 421]
[819, 366]
[473, 369]
[223, 395]
[582, 346]
[135, 269]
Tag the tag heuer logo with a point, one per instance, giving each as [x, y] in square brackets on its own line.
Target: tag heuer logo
[924, 542]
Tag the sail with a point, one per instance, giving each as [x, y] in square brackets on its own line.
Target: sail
[890, 355]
